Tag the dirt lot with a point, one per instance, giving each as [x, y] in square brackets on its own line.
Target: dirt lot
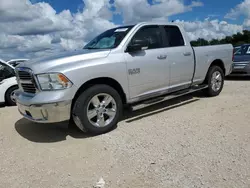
[188, 142]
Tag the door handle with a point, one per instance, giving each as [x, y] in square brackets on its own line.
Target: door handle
[187, 53]
[162, 57]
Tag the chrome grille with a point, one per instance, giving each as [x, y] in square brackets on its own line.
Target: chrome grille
[26, 80]
[23, 75]
[29, 88]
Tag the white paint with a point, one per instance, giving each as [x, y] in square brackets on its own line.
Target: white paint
[5, 85]
[121, 30]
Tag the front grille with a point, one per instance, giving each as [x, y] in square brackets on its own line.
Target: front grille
[23, 75]
[29, 88]
[26, 81]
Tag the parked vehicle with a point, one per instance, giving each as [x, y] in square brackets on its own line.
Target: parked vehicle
[136, 65]
[15, 62]
[8, 83]
[241, 65]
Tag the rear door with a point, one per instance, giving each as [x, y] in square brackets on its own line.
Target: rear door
[180, 57]
[148, 70]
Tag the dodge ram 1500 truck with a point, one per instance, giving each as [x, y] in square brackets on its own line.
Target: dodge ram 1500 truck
[128, 65]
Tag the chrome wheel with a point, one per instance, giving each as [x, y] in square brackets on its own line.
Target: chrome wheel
[12, 96]
[216, 81]
[101, 110]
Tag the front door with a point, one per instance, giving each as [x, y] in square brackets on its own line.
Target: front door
[148, 70]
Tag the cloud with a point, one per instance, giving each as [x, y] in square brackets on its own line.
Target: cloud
[30, 29]
[31, 19]
[34, 28]
[241, 9]
[209, 29]
[140, 10]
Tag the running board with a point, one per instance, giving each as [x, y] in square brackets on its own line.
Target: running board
[157, 100]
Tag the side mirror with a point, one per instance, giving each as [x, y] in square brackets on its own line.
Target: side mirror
[138, 45]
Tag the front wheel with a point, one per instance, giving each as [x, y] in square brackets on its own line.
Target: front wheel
[215, 80]
[9, 96]
[98, 109]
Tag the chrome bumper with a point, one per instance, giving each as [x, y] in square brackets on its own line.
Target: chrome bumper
[46, 113]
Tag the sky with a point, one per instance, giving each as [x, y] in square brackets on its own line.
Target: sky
[34, 28]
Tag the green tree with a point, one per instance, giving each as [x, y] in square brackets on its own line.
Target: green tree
[236, 39]
[214, 42]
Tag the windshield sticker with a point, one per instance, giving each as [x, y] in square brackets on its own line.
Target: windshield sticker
[121, 30]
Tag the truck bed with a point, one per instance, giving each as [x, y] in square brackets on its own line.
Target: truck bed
[205, 54]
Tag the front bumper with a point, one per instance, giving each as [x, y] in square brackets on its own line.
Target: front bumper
[46, 113]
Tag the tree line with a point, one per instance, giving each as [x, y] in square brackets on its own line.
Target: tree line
[236, 39]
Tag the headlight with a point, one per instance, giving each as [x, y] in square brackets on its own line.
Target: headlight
[55, 81]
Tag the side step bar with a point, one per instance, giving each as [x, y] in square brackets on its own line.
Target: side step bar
[157, 100]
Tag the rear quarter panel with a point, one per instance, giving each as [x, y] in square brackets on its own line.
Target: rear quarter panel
[205, 55]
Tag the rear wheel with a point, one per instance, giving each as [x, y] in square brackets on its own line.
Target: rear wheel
[98, 109]
[215, 80]
[9, 96]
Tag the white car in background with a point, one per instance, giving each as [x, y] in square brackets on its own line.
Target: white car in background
[15, 62]
[8, 83]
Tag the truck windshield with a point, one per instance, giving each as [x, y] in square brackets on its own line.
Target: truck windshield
[109, 39]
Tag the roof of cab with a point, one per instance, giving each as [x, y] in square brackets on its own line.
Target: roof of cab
[157, 23]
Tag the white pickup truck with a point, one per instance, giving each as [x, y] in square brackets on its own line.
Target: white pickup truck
[125, 65]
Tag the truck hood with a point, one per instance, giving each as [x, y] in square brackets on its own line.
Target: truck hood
[47, 63]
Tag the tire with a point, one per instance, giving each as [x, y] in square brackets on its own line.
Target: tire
[9, 96]
[215, 80]
[101, 119]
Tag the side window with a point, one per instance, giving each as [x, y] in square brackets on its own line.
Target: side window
[6, 71]
[245, 50]
[174, 36]
[15, 63]
[150, 33]
[1, 70]
[237, 51]
[248, 51]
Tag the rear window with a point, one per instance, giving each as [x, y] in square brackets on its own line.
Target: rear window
[174, 36]
[243, 50]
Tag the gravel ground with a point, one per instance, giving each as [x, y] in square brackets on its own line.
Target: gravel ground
[187, 142]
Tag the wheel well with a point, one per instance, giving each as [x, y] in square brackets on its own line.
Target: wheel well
[220, 64]
[8, 90]
[104, 80]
